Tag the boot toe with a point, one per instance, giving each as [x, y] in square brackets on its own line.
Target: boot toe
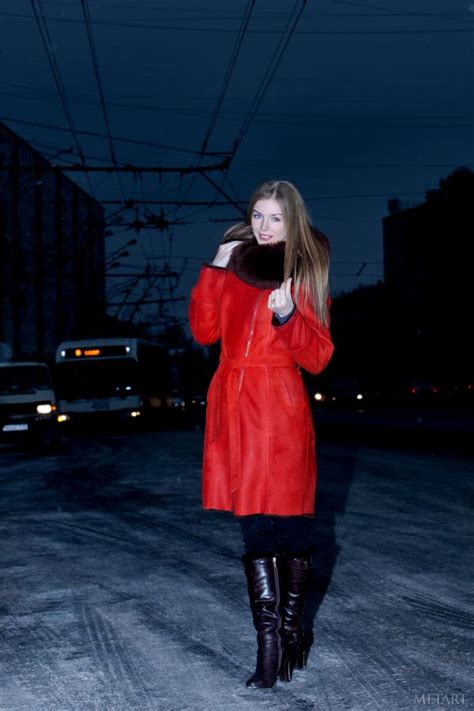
[259, 683]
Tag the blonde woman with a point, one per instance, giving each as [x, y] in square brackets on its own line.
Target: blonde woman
[265, 297]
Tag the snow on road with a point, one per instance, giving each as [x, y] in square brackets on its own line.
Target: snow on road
[119, 593]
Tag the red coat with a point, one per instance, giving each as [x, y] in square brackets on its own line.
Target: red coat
[259, 448]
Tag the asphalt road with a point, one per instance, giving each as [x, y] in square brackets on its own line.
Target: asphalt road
[119, 593]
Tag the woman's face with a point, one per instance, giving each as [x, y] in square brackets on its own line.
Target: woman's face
[268, 223]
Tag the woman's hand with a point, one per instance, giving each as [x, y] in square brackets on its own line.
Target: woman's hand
[280, 301]
[224, 253]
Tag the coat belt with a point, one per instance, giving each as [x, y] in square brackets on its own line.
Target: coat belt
[282, 360]
[231, 368]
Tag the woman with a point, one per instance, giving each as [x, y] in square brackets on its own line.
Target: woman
[265, 297]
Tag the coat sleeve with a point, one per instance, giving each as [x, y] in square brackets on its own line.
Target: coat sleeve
[204, 308]
[308, 340]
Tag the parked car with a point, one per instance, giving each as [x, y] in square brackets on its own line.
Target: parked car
[28, 409]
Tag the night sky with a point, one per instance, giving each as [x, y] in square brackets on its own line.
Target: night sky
[363, 102]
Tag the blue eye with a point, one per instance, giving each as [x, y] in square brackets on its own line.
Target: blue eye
[276, 219]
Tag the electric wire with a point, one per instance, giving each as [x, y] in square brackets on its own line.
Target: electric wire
[289, 119]
[48, 47]
[95, 64]
[187, 98]
[228, 30]
[96, 134]
[270, 73]
[243, 29]
[229, 71]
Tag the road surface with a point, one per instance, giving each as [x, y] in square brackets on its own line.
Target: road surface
[119, 593]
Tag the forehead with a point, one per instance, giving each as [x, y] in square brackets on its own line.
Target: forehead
[268, 206]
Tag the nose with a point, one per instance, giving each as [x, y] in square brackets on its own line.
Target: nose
[264, 223]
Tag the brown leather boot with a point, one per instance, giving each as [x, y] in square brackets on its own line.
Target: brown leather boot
[294, 571]
[262, 580]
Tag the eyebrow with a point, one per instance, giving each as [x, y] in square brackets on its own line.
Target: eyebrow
[274, 214]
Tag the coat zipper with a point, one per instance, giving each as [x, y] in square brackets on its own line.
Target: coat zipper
[249, 337]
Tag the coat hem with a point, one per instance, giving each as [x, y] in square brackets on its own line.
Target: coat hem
[309, 514]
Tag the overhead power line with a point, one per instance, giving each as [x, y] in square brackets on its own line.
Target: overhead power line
[229, 71]
[270, 72]
[48, 168]
[95, 64]
[391, 99]
[121, 139]
[230, 30]
[295, 118]
[222, 92]
[222, 13]
[49, 49]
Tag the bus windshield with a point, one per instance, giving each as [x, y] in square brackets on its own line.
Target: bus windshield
[96, 379]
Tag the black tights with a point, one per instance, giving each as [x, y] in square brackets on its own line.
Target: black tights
[276, 534]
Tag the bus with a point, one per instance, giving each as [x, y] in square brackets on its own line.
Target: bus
[117, 377]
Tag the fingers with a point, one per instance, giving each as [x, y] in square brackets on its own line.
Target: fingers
[227, 247]
[224, 253]
[232, 245]
[279, 300]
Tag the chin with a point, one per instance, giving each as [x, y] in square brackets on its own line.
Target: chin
[273, 240]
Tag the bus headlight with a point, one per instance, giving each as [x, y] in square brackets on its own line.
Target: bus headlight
[45, 408]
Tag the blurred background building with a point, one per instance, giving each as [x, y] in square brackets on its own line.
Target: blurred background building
[428, 260]
[412, 329]
[52, 256]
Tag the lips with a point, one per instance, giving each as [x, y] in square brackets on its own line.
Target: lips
[265, 238]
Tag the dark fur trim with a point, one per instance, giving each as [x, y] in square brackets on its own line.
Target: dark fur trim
[261, 265]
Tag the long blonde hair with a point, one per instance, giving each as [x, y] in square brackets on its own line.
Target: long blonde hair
[306, 249]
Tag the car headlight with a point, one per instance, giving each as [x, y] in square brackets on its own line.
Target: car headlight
[45, 408]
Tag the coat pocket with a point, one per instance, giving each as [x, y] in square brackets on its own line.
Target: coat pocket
[289, 390]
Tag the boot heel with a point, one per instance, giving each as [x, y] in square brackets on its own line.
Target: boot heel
[301, 659]
[286, 669]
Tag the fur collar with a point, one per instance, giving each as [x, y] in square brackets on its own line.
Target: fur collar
[260, 265]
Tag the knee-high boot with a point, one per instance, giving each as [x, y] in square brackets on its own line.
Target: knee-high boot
[294, 571]
[263, 588]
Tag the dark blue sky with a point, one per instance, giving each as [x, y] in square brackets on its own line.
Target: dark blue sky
[371, 100]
